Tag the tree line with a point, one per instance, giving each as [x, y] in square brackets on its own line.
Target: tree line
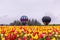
[25, 21]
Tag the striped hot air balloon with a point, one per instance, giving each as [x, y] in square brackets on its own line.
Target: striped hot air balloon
[24, 19]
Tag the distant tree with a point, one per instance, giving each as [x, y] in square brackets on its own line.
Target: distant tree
[33, 22]
[11, 24]
[30, 23]
[16, 23]
[37, 23]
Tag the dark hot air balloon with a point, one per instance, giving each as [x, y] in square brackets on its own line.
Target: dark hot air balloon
[46, 20]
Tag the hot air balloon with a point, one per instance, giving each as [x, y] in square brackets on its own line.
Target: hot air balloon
[24, 19]
[46, 20]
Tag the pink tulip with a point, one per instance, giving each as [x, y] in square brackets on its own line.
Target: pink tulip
[19, 39]
[50, 34]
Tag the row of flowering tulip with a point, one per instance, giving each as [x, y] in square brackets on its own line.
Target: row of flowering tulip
[29, 32]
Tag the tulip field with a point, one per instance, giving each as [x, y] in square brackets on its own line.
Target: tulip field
[29, 32]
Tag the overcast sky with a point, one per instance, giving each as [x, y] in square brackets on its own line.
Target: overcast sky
[11, 10]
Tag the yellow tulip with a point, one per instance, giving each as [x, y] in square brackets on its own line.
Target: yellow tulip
[3, 38]
[58, 35]
[53, 38]
[26, 35]
[34, 37]
[18, 35]
[6, 34]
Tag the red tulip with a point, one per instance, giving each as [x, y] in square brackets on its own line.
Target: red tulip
[6, 38]
[24, 38]
[3, 31]
[41, 36]
[11, 36]
[21, 27]
[14, 36]
[34, 34]
[31, 39]
[47, 38]
[13, 30]
[44, 33]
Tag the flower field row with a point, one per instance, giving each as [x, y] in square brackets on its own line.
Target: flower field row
[29, 32]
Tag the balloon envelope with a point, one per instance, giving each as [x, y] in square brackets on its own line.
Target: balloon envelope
[24, 20]
[46, 20]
